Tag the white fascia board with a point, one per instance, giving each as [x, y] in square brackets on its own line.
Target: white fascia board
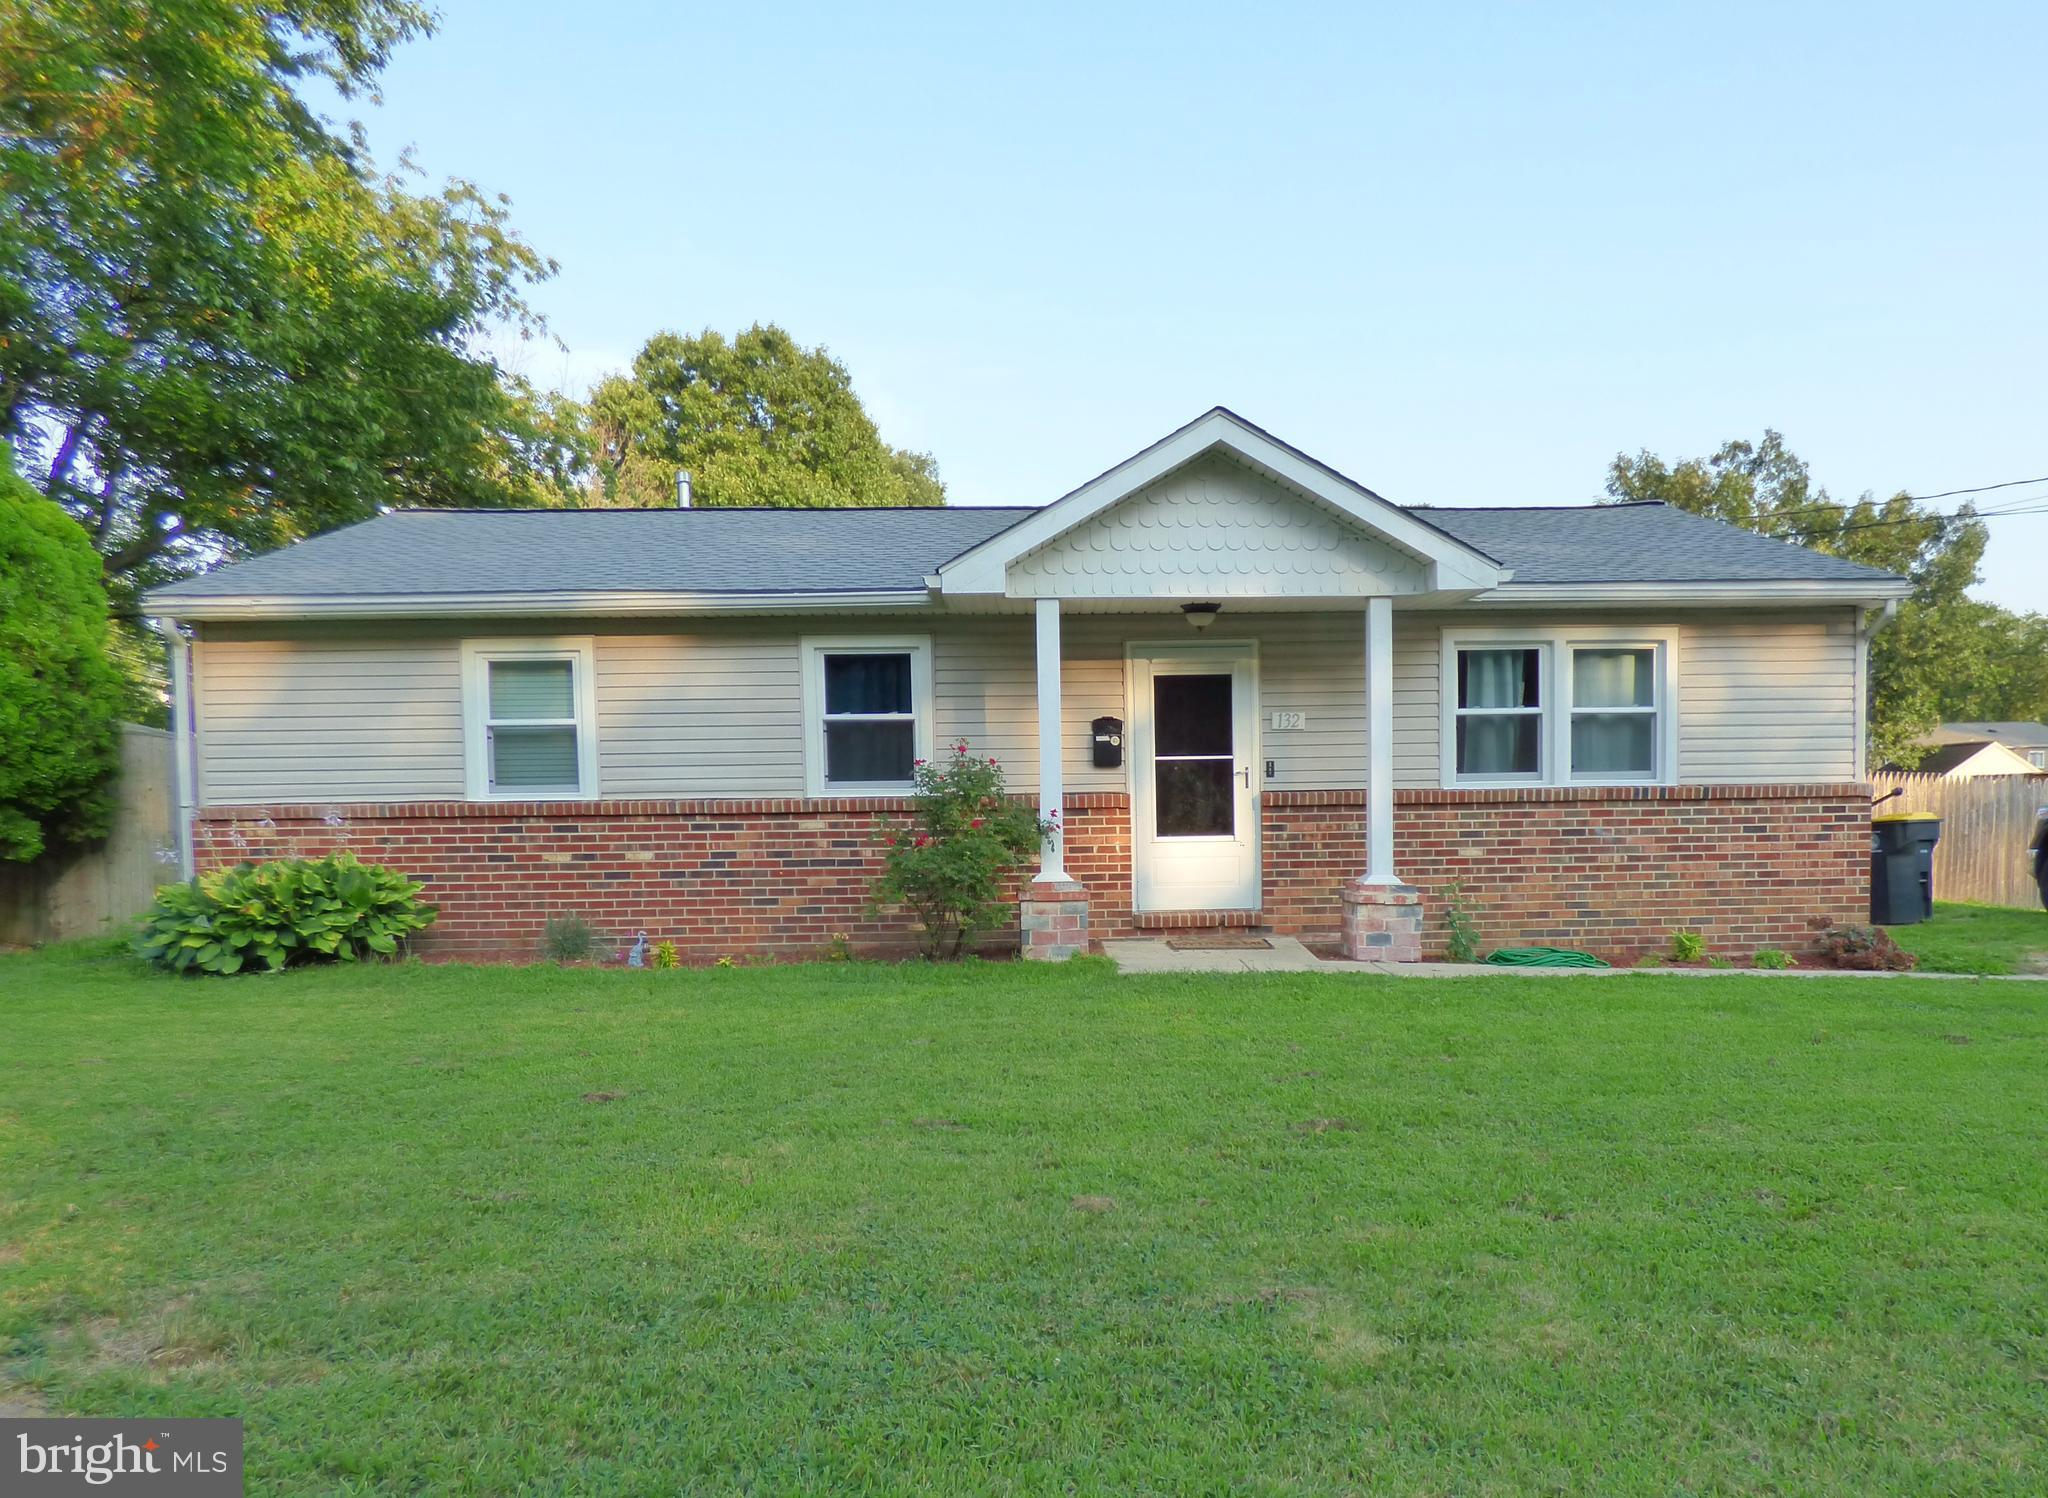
[1454, 565]
[1525, 595]
[588, 604]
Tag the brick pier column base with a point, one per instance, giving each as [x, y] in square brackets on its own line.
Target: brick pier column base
[1054, 918]
[1382, 922]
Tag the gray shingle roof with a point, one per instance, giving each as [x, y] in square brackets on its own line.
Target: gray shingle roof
[1631, 543]
[576, 551]
[831, 551]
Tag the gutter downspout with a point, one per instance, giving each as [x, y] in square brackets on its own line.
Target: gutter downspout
[1868, 623]
[181, 740]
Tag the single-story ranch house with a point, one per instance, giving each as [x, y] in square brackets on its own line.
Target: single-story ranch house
[1257, 694]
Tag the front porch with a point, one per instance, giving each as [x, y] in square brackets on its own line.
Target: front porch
[1206, 841]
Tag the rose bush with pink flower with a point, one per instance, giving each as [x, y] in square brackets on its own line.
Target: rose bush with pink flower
[948, 863]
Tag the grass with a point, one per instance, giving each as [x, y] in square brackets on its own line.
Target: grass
[1010, 1229]
[1983, 939]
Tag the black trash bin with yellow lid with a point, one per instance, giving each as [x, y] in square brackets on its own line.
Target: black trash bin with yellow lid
[1902, 867]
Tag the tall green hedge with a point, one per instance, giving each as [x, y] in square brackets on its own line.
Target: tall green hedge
[60, 696]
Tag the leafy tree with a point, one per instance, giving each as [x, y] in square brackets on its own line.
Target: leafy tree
[757, 421]
[221, 328]
[60, 696]
[1945, 655]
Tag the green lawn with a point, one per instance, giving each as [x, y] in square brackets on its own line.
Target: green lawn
[1979, 939]
[1010, 1229]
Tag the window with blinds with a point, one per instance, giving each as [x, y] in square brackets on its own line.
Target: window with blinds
[528, 708]
[532, 725]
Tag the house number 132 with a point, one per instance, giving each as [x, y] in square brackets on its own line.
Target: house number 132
[1289, 720]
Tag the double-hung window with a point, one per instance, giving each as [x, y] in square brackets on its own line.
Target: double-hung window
[1579, 706]
[1614, 712]
[1500, 712]
[529, 719]
[867, 713]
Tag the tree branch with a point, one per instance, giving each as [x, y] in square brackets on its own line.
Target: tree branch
[150, 543]
[67, 452]
[104, 530]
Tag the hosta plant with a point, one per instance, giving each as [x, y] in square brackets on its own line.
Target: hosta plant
[266, 916]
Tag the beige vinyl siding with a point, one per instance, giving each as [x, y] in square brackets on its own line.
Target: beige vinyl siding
[1767, 699]
[713, 712]
[1418, 690]
[714, 707]
[328, 720]
[987, 690]
[1759, 699]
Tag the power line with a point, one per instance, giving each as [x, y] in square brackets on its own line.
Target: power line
[1865, 525]
[1840, 505]
[1979, 489]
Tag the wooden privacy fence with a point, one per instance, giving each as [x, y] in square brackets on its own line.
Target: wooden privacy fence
[1985, 824]
[99, 889]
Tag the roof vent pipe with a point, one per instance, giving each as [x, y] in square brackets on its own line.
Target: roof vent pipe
[682, 488]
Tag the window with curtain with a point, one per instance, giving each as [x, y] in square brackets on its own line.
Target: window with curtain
[870, 718]
[1500, 713]
[1614, 712]
[531, 727]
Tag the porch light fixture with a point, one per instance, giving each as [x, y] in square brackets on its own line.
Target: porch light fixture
[1201, 615]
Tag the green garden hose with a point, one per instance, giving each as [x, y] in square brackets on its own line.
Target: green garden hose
[1542, 957]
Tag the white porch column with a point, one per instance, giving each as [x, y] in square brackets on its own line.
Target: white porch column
[1052, 865]
[1379, 714]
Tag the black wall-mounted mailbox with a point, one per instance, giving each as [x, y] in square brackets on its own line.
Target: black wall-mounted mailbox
[1109, 743]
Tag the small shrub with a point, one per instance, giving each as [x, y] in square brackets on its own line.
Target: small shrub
[285, 913]
[839, 948]
[726, 961]
[1461, 934]
[665, 954]
[1772, 959]
[1688, 946]
[1868, 949]
[569, 938]
[948, 864]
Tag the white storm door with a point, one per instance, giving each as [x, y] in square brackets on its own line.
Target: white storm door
[1194, 806]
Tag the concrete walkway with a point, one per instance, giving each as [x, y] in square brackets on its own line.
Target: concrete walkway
[1153, 955]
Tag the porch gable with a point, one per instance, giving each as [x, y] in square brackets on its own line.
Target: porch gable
[1220, 508]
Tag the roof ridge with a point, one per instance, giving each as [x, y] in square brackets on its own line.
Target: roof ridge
[695, 509]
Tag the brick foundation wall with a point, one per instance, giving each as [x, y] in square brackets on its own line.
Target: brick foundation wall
[1614, 871]
[772, 878]
[1610, 870]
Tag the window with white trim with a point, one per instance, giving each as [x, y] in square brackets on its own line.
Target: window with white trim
[2038, 758]
[529, 719]
[1614, 712]
[1580, 706]
[867, 714]
[1500, 712]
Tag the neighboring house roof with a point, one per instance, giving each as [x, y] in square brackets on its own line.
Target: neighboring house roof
[481, 561]
[1981, 757]
[2012, 735]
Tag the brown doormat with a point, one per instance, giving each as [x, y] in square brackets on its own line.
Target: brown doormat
[1222, 941]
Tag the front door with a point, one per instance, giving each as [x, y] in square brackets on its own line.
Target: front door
[1194, 811]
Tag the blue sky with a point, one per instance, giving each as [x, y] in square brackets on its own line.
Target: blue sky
[1463, 254]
